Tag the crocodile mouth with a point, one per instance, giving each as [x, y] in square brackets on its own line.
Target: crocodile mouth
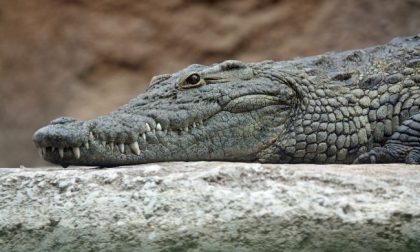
[94, 147]
[215, 137]
[234, 130]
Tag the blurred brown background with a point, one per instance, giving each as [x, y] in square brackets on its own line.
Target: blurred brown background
[84, 58]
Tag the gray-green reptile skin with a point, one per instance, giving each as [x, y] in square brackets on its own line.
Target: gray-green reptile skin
[359, 106]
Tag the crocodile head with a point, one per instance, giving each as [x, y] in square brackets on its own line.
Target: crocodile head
[228, 111]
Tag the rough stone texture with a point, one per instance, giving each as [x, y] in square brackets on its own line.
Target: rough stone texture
[83, 58]
[211, 207]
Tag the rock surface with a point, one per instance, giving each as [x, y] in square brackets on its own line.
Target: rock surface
[202, 206]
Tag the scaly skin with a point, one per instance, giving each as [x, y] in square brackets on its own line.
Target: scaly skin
[356, 106]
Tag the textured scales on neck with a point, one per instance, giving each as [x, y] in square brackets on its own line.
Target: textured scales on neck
[354, 106]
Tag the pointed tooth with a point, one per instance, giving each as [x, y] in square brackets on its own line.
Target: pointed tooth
[104, 143]
[148, 127]
[194, 125]
[135, 148]
[61, 152]
[158, 127]
[111, 144]
[44, 150]
[76, 152]
[91, 136]
[166, 131]
[87, 145]
[121, 147]
[144, 136]
[186, 129]
[40, 152]
[52, 149]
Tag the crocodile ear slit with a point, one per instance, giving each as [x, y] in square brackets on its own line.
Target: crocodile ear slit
[290, 82]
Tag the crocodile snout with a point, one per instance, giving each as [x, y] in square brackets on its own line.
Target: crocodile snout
[100, 141]
[65, 136]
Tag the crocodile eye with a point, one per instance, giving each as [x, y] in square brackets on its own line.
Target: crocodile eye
[193, 79]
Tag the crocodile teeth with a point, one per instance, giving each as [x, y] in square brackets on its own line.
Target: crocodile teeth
[135, 148]
[121, 147]
[148, 127]
[186, 129]
[201, 121]
[44, 150]
[52, 149]
[194, 125]
[76, 151]
[61, 152]
[104, 143]
[111, 144]
[40, 152]
[144, 136]
[87, 145]
[158, 127]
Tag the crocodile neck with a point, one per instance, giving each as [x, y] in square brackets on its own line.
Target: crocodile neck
[335, 123]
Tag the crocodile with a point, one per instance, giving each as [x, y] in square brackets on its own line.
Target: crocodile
[357, 106]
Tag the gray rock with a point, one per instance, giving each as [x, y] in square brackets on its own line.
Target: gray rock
[211, 206]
